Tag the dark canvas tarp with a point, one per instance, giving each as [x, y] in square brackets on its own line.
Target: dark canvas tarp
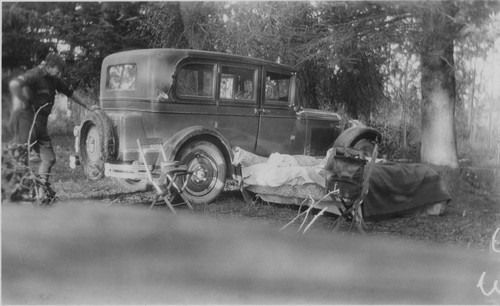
[395, 190]
[399, 188]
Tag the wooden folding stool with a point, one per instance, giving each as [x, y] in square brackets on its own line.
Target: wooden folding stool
[164, 182]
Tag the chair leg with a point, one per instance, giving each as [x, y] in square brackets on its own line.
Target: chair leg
[186, 200]
[167, 201]
[180, 191]
[154, 201]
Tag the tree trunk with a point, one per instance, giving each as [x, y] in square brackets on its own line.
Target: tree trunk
[473, 90]
[470, 118]
[404, 99]
[490, 125]
[438, 104]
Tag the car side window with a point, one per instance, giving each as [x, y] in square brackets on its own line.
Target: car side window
[121, 77]
[195, 80]
[277, 87]
[237, 83]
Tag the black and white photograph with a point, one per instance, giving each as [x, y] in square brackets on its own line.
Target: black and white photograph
[250, 152]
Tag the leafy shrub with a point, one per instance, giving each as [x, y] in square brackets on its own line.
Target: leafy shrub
[392, 142]
[60, 125]
[65, 114]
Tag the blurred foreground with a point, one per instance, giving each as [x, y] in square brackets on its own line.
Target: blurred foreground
[87, 254]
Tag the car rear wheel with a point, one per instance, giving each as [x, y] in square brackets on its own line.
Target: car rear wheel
[366, 146]
[208, 165]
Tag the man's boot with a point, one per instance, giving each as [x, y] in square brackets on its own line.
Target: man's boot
[46, 195]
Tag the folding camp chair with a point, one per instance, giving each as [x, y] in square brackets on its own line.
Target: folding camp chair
[172, 179]
[348, 172]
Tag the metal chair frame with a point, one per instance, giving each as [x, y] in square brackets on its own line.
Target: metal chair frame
[350, 208]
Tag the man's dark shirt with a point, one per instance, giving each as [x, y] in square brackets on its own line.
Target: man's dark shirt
[43, 88]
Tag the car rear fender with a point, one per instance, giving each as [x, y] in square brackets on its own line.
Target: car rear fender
[351, 135]
[174, 145]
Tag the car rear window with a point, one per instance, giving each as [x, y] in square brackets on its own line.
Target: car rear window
[277, 87]
[121, 77]
[195, 80]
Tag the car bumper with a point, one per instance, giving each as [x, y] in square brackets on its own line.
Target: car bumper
[126, 171]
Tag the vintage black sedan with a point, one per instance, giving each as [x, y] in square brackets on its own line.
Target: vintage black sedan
[201, 104]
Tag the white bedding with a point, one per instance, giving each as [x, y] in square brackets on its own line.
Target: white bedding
[269, 175]
[279, 169]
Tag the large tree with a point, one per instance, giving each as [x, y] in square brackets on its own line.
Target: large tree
[439, 25]
[438, 85]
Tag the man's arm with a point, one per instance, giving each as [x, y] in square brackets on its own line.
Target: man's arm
[76, 97]
[63, 88]
[19, 91]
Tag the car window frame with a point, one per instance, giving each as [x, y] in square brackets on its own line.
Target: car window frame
[244, 102]
[195, 99]
[291, 90]
[108, 79]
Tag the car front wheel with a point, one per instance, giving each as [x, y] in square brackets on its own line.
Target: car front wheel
[366, 146]
[208, 168]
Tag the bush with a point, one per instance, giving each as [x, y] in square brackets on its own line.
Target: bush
[392, 142]
[60, 120]
[60, 125]
[65, 114]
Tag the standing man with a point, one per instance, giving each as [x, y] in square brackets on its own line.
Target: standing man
[36, 90]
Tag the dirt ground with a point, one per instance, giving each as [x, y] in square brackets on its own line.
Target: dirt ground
[470, 220]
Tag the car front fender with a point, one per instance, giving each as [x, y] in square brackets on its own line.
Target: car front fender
[351, 135]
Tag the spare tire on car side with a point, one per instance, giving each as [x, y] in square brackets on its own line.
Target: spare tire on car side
[97, 143]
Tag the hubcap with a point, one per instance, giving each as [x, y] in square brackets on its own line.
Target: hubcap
[199, 175]
[92, 145]
[204, 175]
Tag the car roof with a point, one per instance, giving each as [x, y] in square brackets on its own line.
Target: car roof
[175, 55]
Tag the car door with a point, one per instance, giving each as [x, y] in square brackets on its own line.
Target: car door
[280, 130]
[237, 111]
